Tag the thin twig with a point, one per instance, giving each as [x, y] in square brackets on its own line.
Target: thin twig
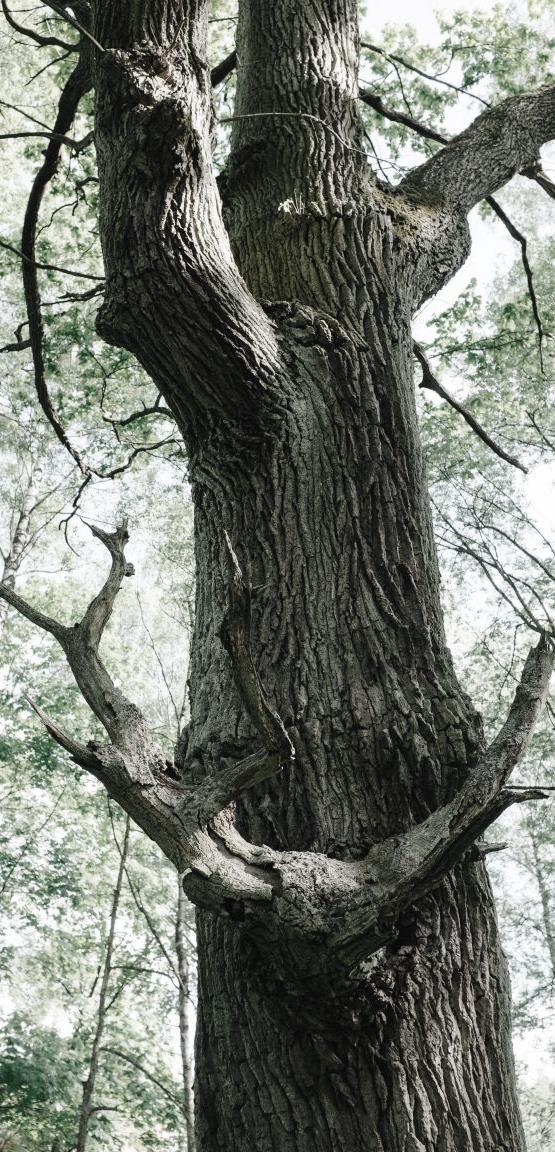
[431, 382]
[296, 116]
[394, 59]
[62, 11]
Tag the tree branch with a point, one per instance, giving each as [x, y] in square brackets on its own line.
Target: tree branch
[153, 124]
[430, 381]
[38, 38]
[533, 173]
[223, 69]
[39, 619]
[350, 908]
[495, 147]
[100, 609]
[81, 754]
[355, 906]
[61, 9]
[78, 83]
[522, 241]
[376, 103]
[132, 767]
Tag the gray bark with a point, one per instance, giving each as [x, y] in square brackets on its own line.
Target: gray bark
[353, 993]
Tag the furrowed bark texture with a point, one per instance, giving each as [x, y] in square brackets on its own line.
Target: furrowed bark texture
[280, 335]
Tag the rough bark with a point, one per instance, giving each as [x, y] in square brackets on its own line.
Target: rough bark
[353, 993]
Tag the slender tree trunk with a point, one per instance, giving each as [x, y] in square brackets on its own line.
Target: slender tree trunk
[545, 897]
[183, 968]
[87, 1106]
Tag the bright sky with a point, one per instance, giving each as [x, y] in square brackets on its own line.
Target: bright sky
[421, 14]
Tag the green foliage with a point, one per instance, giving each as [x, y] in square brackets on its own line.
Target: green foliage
[58, 849]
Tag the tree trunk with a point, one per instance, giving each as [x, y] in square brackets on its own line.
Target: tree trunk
[332, 524]
[414, 1051]
[288, 365]
[545, 896]
[183, 969]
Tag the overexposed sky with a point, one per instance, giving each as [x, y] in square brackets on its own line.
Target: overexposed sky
[422, 14]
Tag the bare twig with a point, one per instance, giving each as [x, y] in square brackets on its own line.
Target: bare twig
[432, 383]
[296, 116]
[31, 34]
[395, 59]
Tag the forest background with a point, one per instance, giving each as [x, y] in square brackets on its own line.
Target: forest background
[98, 962]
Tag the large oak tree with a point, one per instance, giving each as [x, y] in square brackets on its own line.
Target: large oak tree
[326, 804]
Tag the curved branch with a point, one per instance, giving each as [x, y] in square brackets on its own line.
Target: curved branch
[432, 383]
[61, 9]
[38, 38]
[100, 609]
[350, 908]
[78, 83]
[495, 147]
[534, 173]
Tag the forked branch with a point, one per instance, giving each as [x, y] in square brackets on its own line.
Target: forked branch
[132, 767]
[350, 908]
[430, 381]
